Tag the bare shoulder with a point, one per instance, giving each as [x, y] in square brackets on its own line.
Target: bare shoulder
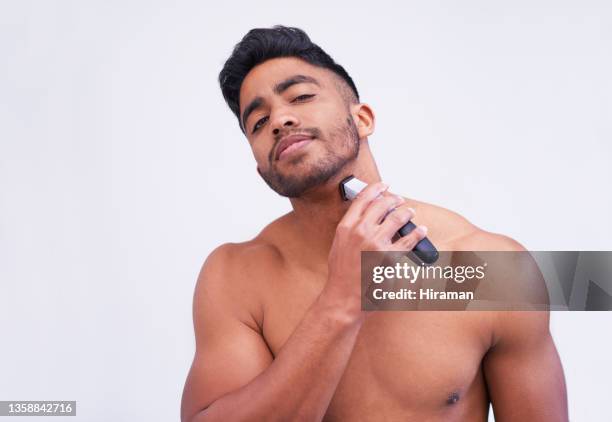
[452, 231]
[232, 266]
[231, 277]
[509, 327]
[243, 257]
[519, 271]
[482, 240]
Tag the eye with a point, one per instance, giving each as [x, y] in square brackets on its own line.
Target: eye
[302, 97]
[259, 123]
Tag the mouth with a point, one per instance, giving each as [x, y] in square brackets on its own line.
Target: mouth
[292, 143]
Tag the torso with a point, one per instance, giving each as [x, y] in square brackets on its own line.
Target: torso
[422, 366]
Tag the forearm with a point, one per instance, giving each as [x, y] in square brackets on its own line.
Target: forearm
[301, 381]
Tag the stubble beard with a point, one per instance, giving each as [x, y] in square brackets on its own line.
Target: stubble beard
[294, 186]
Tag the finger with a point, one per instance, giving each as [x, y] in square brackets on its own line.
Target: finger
[395, 221]
[362, 200]
[377, 210]
[407, 243]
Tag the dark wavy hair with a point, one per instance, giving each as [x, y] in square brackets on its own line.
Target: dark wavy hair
[261, 44]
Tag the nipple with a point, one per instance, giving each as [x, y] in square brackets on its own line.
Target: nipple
[452, 398]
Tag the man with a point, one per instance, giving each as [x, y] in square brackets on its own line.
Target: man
[280, 334]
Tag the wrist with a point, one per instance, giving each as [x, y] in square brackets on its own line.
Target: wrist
[345, 308]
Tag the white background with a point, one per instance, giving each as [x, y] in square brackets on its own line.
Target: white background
[121, 167]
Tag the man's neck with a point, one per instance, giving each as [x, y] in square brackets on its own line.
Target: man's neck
[316, 215]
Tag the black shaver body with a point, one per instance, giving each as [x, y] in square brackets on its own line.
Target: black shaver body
[424, 250]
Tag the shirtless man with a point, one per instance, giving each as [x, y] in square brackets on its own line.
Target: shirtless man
[280, 334]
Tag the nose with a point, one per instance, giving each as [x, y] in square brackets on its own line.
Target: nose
[283, 120]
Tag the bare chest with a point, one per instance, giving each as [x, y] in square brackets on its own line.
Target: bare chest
[404, 363]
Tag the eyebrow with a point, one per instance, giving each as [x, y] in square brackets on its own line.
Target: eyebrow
[279, 88]
[296, 79]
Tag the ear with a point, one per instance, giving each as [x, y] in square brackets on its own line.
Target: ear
[364, 118]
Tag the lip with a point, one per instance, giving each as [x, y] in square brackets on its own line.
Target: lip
[287, 141]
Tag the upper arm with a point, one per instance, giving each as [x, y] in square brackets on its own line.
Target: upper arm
[523, 370]
[230, 350]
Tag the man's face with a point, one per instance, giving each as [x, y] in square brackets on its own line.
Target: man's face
[298, 124]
